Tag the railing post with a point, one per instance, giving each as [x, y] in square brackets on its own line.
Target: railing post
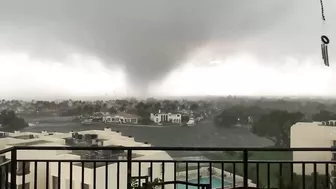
[13, 168]
[245, 164]
[129, 169]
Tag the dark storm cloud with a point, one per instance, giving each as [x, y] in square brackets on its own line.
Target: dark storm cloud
[150, 37]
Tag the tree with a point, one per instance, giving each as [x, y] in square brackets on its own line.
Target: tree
[226, 119]
[238, 114]
[97, 108]
[122, 108]
[143, 111]
[194, 107]
[276, 126]
[112, 110]
[144, 117]
[157, 106]
[324, 115]
[184, 118]
[11, 122]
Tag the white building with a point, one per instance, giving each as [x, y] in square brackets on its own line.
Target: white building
[161, 117]
[121, 117]
[107, 138]
[313, 134]
[191, 122]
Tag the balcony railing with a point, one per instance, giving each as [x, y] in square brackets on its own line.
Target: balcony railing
[51, 170]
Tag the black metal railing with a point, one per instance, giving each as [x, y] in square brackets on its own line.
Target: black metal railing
[222, 168]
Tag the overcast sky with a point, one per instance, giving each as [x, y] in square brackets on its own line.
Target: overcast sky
[76, 48]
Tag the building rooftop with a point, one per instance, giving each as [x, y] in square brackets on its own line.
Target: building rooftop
[30, 143]
[25, 137]
[165, 112]
[105, 137]
[126, 115]
[118, 156]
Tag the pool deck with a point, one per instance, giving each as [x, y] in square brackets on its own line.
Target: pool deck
[204, 172]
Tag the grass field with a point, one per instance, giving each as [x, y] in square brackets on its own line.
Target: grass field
[48, 119]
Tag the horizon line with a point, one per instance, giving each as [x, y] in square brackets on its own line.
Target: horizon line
[94, 98]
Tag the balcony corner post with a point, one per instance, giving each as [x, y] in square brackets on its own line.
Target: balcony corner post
[245, 163]
[13, 168]
[129, 169]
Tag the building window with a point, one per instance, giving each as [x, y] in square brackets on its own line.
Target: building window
[26, 186]
[86, 186]
[23, 170]
[150, 171]
[55, 182]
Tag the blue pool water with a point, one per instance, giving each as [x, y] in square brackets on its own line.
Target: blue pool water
[216, 183]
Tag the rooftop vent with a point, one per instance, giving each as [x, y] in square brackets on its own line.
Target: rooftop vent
[100, 143]
[2, 134]
[107, 129]
[94, 136]
[74, 135]
[79, 136]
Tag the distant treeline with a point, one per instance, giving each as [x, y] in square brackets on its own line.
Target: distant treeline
[273, 124]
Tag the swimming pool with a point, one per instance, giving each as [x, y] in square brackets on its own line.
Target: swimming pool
[216, 183]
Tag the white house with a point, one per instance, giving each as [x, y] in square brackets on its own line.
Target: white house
[161, 117]
[121, 117]
[313, 134]
[107, 138]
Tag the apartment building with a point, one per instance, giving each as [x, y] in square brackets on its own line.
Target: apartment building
[50, 171]
[313, 134]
